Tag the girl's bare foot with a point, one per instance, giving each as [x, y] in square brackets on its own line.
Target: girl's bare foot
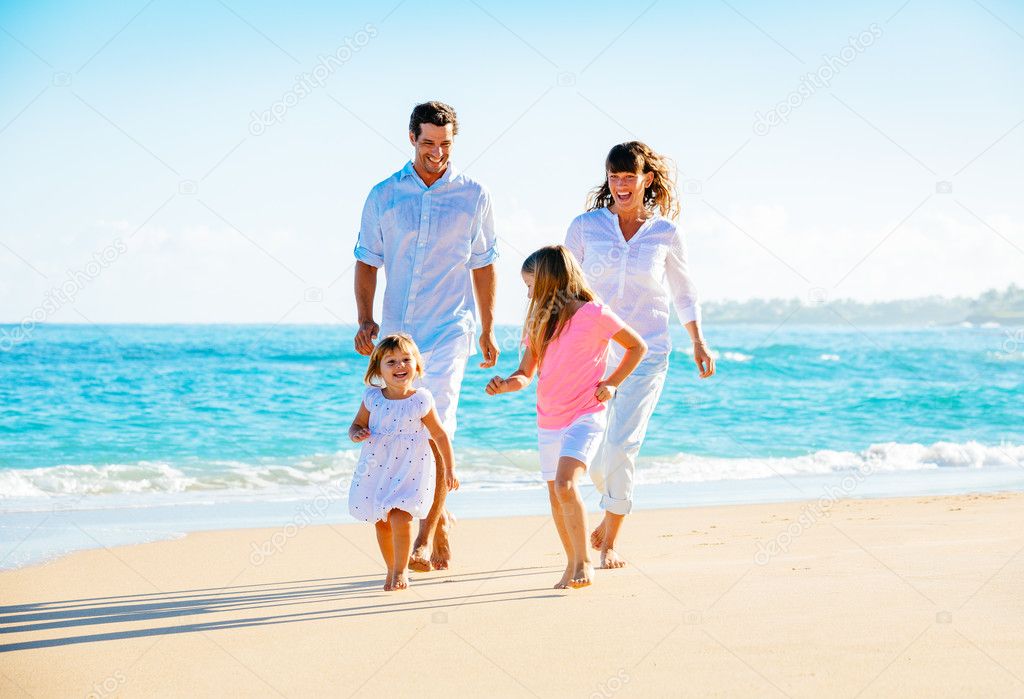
[610, 559]
[583, 574]
[597, 536]
[563, 584]
[400, 581]
[418, 560]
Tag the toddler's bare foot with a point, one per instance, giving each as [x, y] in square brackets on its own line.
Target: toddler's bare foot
[610, 559]
[401, 581]
[441, 555]
[597, 536]
[582, 575]
[418, 560]
[563, 584]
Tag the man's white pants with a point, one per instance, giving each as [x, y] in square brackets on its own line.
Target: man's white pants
[445, 365]
[629, 412]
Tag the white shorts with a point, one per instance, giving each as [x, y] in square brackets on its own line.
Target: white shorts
[578, 440]
[445, 367]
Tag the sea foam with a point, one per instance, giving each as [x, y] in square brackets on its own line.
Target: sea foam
[478, 469]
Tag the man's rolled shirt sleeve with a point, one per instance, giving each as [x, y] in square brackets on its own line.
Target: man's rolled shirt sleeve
[485, 241]
[370, 243]
[574, 240]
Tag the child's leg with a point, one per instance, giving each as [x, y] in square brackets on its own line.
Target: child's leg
[401, 541]
[387, 549]
[575, 517]
[563, 535]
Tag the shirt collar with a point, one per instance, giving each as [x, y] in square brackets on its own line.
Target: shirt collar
[450, 173]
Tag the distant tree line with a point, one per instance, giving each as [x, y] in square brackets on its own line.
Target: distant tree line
[1005, 307]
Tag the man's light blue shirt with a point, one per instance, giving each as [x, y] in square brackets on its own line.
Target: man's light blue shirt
[428, 239]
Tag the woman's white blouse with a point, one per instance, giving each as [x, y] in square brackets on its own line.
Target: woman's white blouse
[639, 278]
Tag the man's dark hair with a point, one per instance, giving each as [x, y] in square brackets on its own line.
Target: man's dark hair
[433, 112]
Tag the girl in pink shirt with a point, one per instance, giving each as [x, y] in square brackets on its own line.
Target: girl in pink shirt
[567, 335]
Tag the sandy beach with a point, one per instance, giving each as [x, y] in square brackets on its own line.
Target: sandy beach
[916, 596]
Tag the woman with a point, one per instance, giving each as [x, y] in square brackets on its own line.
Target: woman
[634, 258]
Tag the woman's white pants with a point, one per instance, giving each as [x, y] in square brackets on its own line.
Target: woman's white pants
[629, 412]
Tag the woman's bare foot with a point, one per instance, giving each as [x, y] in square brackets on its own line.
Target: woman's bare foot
[441, 555]
[400, 581]
[597, 536]
[389, 582]
[563, 584]
[610, 559]
[418, 560]
[583, 574]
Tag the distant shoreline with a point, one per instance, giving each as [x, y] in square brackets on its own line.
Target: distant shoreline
[1004, 307]
[905, 323]
[796, 320]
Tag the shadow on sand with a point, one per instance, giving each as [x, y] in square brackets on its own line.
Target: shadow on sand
[360, 595]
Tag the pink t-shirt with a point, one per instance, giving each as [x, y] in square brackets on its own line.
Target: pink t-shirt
[574, 363]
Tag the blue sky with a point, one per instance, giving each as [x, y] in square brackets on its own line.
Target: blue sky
[125, 130]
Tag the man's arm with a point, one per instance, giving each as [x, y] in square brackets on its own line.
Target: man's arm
[485, 281]
[369, 254]
[366, 289]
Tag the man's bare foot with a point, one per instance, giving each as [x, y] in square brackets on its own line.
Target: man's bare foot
[583, 574]
[610, 559]
[401, 581]
[441, 555]
[418, 560]
[563, 584]
[597, 536]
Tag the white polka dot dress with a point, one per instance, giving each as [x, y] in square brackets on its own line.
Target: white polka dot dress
[396, 466]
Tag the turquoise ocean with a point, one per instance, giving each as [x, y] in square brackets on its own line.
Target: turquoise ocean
[127, 433]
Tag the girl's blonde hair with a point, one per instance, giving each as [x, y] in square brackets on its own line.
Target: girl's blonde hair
[634, 156]
[399, 342]
[557, 281]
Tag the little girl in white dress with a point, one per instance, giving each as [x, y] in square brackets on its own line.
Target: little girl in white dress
[393, 481]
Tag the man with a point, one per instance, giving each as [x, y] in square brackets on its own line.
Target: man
[432, 230]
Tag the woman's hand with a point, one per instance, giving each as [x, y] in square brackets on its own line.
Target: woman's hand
[495, 386]
[359, 434]
[605, 391]
[702, 357]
